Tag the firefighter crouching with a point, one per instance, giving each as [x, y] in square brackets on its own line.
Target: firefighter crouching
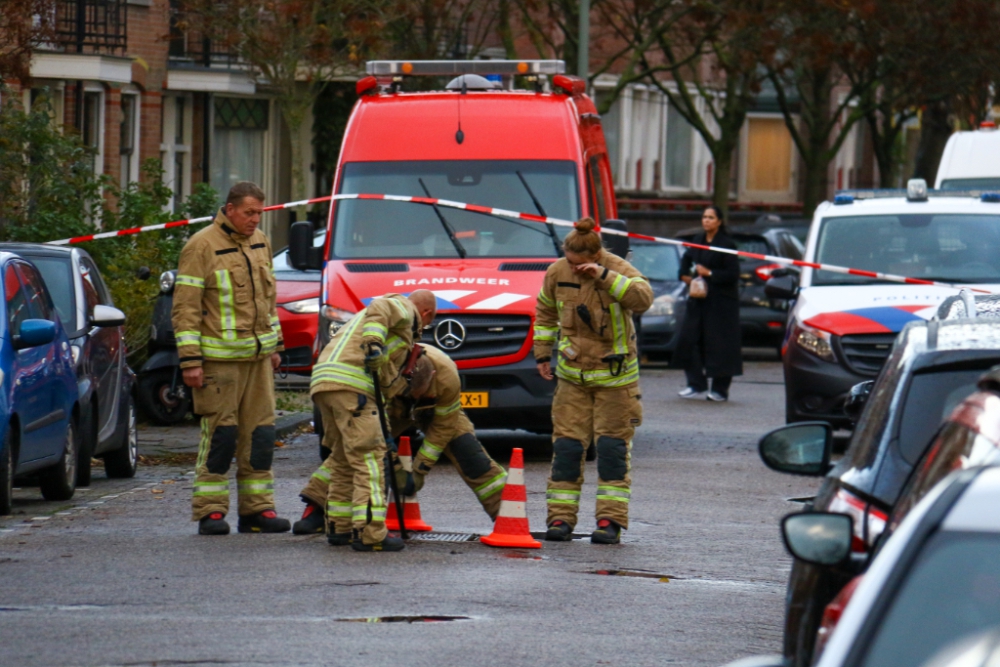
[350, 482]
[228, 339]
[584, 311]
[434, 405]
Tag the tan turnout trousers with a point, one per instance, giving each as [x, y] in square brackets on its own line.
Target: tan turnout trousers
[608, 417]
[236, 404]
[351, 482]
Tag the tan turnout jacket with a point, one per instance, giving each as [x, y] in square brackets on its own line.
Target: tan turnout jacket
[224, 297]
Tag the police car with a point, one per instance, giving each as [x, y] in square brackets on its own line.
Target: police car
[841, 326]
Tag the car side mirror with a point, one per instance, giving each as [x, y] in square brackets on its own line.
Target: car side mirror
[820, 538]
[107, 316]
[782, 287]
[34, 333]
[301, 253]
[613, 243]
[854, 404]
[803, 448]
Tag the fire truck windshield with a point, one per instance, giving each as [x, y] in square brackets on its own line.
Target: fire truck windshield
[386, 229]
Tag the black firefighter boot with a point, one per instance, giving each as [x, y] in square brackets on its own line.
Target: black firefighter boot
[608, 532]
[312, 522]
[213, 524]
[388, 543]
[263, 522]
[338, 539]
[559, 531]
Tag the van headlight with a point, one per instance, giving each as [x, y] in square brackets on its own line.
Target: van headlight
[815, 342]
[330, 321]
[663, 306]
[167, 279]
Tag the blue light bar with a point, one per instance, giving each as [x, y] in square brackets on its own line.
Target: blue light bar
[841, 200]
[990, 198]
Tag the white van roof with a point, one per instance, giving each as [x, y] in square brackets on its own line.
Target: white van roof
[973, 154]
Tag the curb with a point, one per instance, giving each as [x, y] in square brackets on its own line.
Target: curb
[288, 424]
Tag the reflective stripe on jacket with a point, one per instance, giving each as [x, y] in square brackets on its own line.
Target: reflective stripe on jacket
[392, 321]
[586, 323]
[224, 297]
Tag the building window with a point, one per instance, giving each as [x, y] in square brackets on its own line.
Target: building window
[175, 147]
[678, 150]
[93, 123]
[240, 126]
[769, 156]
[129, 139]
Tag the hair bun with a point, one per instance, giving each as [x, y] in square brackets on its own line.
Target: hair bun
[584, 225]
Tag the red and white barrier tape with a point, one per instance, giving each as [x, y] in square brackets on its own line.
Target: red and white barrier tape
[428, 201]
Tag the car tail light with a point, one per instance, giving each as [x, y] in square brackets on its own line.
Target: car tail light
[847, 503]
[832, 614]
[764, 272]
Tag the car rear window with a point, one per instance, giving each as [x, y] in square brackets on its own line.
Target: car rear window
[930, 398]
[951, 592]
[757, 244]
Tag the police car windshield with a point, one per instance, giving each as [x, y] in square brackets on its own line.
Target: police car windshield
[947, 247]
[383, 229]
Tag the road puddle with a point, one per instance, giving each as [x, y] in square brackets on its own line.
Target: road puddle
[405, 619]
[642, 574]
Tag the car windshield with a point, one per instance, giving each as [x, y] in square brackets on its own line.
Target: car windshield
[970, 184]
[57, 274]
[656, 261]
[930, 398]
[386, 229]
[934, 246]
[957, 575]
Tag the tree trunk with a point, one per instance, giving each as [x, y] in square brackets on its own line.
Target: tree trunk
[723, 158]
[505, 31]
[934, 133]
[815, 182]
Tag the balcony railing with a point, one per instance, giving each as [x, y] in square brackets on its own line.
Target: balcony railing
[92, 26]
[188, 47]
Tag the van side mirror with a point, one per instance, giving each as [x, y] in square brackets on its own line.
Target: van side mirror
[820, 538]
[301, 253]
[803, 448]
[615, 244]
[854, 404]
[782, 287]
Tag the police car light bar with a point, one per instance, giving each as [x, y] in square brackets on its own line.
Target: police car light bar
[457, 67]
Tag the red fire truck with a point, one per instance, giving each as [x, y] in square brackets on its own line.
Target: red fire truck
[480, 140]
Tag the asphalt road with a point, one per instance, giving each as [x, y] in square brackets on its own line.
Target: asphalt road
[122, 579]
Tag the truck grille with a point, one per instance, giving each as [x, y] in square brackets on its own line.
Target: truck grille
[485, 335]
[866, 353]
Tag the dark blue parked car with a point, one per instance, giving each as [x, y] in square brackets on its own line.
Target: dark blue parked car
[38, 394]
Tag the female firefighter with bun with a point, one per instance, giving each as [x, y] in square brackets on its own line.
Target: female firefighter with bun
[585, 336]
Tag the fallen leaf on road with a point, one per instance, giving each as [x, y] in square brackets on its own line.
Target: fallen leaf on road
[156, 490]
[279, 443]
[168, 481]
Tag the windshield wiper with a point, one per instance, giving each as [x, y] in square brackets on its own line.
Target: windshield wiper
[541, 212]
[447, 228]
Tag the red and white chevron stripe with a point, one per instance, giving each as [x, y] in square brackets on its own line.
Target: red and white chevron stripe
[530, 217]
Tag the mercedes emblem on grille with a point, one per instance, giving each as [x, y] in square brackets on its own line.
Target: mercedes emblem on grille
[449, 334]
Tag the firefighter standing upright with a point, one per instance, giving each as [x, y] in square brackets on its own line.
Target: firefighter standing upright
[228, 339]
[584, 320]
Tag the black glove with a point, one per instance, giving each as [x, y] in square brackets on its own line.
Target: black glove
[404, 482]
[375, 357]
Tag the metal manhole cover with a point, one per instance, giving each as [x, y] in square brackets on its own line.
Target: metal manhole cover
[444, 537]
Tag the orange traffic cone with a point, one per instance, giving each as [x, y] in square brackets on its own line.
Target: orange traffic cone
[511, 527]
[411, 508]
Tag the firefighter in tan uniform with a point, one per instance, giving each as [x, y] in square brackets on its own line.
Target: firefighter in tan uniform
[447, 430]
[228, 339]
[584, 311]
[351, 481]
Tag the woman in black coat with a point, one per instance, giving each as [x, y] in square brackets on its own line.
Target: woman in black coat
[709, 343]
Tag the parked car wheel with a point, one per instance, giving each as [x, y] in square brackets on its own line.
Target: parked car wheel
[58, 482]
[7, 475]
[122, 462]
[158, 402]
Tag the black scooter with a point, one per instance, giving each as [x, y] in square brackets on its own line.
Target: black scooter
[162, 395]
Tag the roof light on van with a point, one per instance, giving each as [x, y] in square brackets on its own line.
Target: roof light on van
[842, 200]
[990, 198]
[366, 84]
[571, 85]
[987, 125]
[457, 67]
[916, 189]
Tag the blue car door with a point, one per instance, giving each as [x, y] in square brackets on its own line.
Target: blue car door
[48, 428]
[28, 398]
